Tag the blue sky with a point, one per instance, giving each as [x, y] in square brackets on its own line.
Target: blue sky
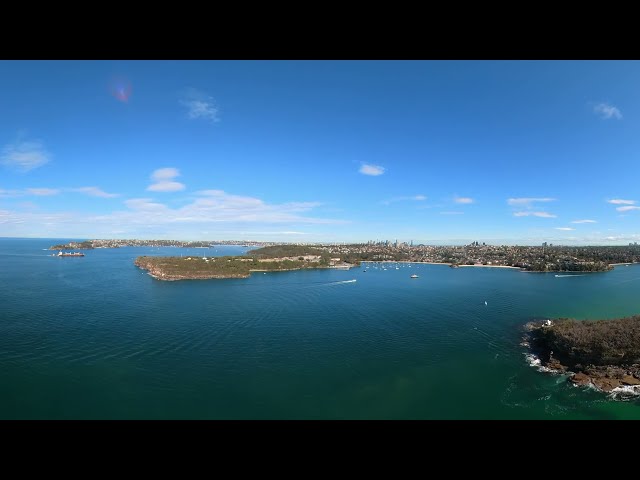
[430, 151]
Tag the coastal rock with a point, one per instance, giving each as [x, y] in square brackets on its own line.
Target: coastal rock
[606, 384]
[580, 379]
[630, 380]
[556, 365]
[602, 353]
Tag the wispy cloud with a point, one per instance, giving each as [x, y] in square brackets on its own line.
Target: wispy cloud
[607, 111]
[584, 221]
[619, 201]
[451, 213]
[214, 207]
[528, 204]
[288, 232]
[163, 178]
[373, 170]
[95, 192]
[24, 156]
[200, 105]
[527, 201]
[565, 229]
[416, 198]
[627, 208]
[529, 213]
[464, 200]
[144, 204]
[43, 191]
[9, 193]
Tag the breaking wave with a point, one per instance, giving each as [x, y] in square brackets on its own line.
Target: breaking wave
[625, 392]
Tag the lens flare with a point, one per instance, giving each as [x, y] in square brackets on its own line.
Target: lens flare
[120, 88]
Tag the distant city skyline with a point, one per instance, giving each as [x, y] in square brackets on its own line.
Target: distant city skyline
[434, 152]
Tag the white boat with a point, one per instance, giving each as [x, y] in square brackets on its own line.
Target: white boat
[414, 276]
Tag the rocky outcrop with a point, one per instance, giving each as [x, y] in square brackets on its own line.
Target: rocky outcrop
[602, 353]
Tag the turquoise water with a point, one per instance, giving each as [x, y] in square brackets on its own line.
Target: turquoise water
[95, 337]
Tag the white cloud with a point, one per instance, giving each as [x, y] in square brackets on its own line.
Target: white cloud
[24, 156]
[144, 204]
[163, 178]
[534, 214]
[200, 105]
[526, 202]
[627, 208]
[607, 111]
[618, 201]
[565, 229]
[373, 170]
[243, 233]
[163, 174]
[463, 200]
[451, 213]
[210, 208]
[584, 221]
[416, 198]
[95, 192]
[43, 191]
[9, 193]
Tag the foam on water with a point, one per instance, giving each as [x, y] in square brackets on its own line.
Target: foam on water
[625, 392]
[534, 361]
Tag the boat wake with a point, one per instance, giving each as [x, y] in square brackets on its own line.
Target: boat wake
[341, 281]
[329, 284]
[564, 276]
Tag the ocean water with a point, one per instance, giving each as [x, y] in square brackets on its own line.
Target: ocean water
[97, 338]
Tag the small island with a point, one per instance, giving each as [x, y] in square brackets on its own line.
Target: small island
[267, 259]
[604, 354]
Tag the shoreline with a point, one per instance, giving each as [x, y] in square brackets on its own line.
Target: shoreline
[402, 261]
[491, 266]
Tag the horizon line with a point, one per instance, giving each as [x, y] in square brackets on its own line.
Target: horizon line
[549, 244]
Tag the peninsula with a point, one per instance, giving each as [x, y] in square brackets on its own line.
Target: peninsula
[544, 258]
[268, 259]
[602, 353]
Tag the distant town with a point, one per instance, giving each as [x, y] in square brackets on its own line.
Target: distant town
[543, 258]
[117, 243]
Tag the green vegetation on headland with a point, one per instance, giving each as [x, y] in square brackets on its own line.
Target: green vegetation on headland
[86, 245]
[603, 353]
[285, 250]
[270, 259]
[567, 265]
